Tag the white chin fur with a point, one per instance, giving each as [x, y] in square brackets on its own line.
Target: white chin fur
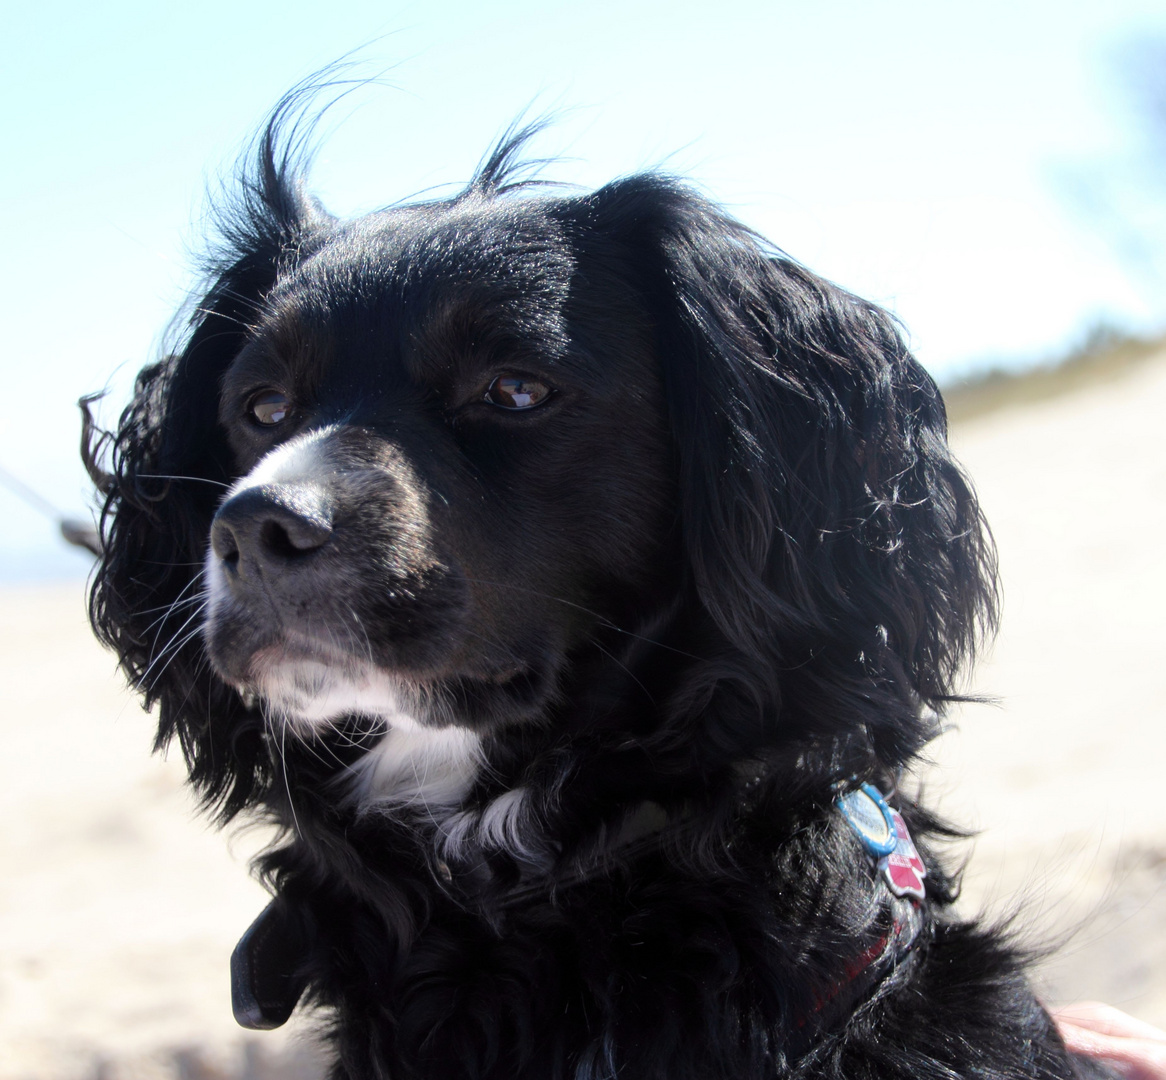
[414, 764]
[312, 693]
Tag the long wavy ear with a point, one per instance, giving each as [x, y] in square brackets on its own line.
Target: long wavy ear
[168, 466]
[829, 533]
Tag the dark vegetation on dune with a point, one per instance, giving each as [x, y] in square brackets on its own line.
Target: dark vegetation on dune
[1105, 356]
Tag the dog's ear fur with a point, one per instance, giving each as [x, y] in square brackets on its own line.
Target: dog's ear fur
[168, 468]
[828, 531]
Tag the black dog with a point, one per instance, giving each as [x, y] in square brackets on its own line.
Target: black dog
[570, 577]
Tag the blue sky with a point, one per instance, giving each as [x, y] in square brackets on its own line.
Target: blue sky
[921, 154]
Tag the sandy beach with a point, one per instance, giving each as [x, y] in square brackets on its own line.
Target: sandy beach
[1063, 774]
[119, 906]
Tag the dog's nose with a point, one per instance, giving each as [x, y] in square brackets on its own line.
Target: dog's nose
[272, 526]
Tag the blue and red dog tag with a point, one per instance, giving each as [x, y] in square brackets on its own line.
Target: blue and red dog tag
[903, 868]
[884, 834]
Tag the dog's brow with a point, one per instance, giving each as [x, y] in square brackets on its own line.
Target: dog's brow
[256, 364]
[462, 337]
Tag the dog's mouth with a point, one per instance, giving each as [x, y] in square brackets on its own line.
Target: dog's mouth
[310, 683]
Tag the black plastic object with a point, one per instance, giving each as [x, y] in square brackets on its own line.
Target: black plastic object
[266, 982]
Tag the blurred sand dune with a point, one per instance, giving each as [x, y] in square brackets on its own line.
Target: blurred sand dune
[1065, 775]
[119, 907]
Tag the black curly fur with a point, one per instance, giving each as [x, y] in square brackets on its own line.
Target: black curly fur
[809, 574]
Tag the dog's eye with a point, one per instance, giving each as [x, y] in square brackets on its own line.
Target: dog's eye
[515, 392]
[269, 407]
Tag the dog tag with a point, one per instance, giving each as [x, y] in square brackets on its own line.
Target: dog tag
[903, 869]
[867, 813]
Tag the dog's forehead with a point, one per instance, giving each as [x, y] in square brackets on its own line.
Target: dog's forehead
[409, 282]
[410, 261]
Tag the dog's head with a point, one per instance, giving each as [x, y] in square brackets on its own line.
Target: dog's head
[529, 462]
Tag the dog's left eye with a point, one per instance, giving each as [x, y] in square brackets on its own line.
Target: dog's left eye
[269, 407]
[515, 392]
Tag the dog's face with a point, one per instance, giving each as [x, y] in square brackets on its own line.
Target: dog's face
[453, 463]
[601, 465]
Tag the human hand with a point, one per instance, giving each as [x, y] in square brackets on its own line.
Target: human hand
[1134, 1048]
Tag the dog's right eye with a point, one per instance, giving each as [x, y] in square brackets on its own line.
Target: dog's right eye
[515, 393]
[269, 407]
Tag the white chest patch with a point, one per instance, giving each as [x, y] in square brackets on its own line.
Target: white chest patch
[431, 769]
